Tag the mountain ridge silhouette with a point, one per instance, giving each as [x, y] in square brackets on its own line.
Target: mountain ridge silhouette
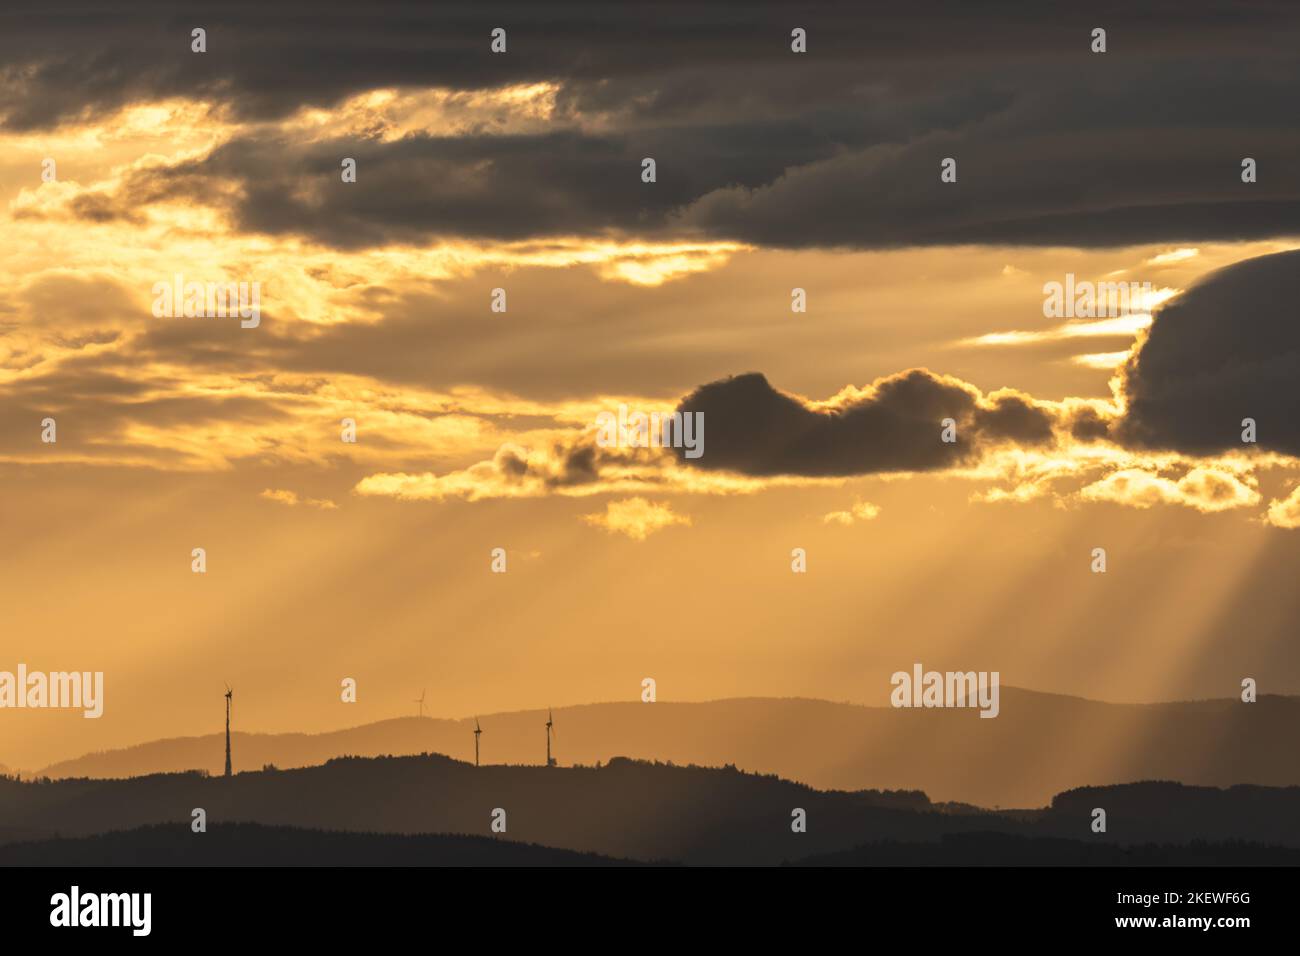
[1040, 745]
[638, 810]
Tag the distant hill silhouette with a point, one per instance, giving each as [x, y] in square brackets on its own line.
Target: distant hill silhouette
[633, 809]
[1040, 745]
[252, 844]
[1004, 849]
[1162, 811]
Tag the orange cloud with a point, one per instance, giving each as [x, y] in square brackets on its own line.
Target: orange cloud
[861, 511]
[1285, 512]
[1205, 489]
[290, 498]
[636, 517]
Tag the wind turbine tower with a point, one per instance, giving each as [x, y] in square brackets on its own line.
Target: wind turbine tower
[229, 694]
[550, 732]
[420, 700]
[477, 730]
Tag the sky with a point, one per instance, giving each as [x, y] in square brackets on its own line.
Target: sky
[128, 159]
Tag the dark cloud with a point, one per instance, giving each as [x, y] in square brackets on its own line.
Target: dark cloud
[1087, 424]
[482, 185]
[1090, 188]
[1051, 157]
[420, 187]
[1015, 418]
[1226, 349]
[838, 147]
[753, 428]
[1081, 155]
[68, 58]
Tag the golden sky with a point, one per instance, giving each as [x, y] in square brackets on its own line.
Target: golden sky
[371, 560]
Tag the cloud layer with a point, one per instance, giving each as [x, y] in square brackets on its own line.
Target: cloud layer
[1226, 350]
[837, 147]
[894, 424]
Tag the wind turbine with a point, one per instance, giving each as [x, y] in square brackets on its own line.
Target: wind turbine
[550, 732]
[420, 700]
[477, 730]
[229, 694]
